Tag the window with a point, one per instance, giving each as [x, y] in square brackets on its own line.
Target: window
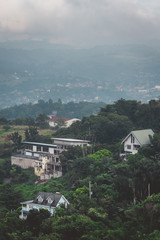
[39, 148]
[132, 139]
[45, 149]
[40, 199]
[136, 147]
[49, 200]
[57, 168]
[57, 159]
[128, 146]
[29, 147]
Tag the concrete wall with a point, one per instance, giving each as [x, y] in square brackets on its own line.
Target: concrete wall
[22, 162]
[45, 176]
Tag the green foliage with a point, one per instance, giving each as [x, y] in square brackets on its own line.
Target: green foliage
[67, 157]
[31, 134]
[3, 121]
[98, 214]
[41, 121]
[11, 227]
[155, 141]
[19, 175]
[9, 197]
[5, 167]
[17, 140]
[99, 155]
[99, 129]
[78, 226]
[154, 198]
[6, 127]
[42, 108]
[35, 219]
[109, 214]
[125, 203]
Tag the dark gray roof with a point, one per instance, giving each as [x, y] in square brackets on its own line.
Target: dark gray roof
[55, 197]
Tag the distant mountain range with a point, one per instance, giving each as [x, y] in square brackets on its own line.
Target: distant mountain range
[30, 71]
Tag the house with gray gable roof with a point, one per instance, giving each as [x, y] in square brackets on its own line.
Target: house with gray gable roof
[44, 200]
[135, 140]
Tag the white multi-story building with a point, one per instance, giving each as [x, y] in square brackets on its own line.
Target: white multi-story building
[45, 158]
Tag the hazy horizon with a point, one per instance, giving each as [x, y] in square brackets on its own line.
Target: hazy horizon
[48, 50]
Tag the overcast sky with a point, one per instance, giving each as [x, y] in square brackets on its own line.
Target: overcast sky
[80, 22]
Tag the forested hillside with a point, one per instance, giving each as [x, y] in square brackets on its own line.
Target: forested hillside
[115, 121]
[125, 199]
[68, 110]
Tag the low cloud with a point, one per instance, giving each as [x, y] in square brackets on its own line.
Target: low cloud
[80, 22]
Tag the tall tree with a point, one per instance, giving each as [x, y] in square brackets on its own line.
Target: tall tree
[17, 140]
[31, 134]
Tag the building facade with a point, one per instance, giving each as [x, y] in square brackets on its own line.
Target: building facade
[43, 200]
[45, 158]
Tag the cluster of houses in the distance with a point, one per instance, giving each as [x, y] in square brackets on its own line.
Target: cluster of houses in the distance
[54, 121]
[45, 159]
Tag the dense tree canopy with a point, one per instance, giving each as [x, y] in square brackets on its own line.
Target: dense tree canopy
[125, 198]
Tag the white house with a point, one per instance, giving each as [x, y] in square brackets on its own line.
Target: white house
[43, 200]
[135, 140]
[69, 122]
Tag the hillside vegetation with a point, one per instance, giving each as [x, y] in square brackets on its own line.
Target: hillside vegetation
[68, 110]
[126, 195]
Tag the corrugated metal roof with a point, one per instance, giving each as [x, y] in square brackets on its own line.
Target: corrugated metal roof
[143, 136]
[41, 144]
[70, 140]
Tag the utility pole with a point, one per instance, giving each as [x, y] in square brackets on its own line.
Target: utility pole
[90, 192]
